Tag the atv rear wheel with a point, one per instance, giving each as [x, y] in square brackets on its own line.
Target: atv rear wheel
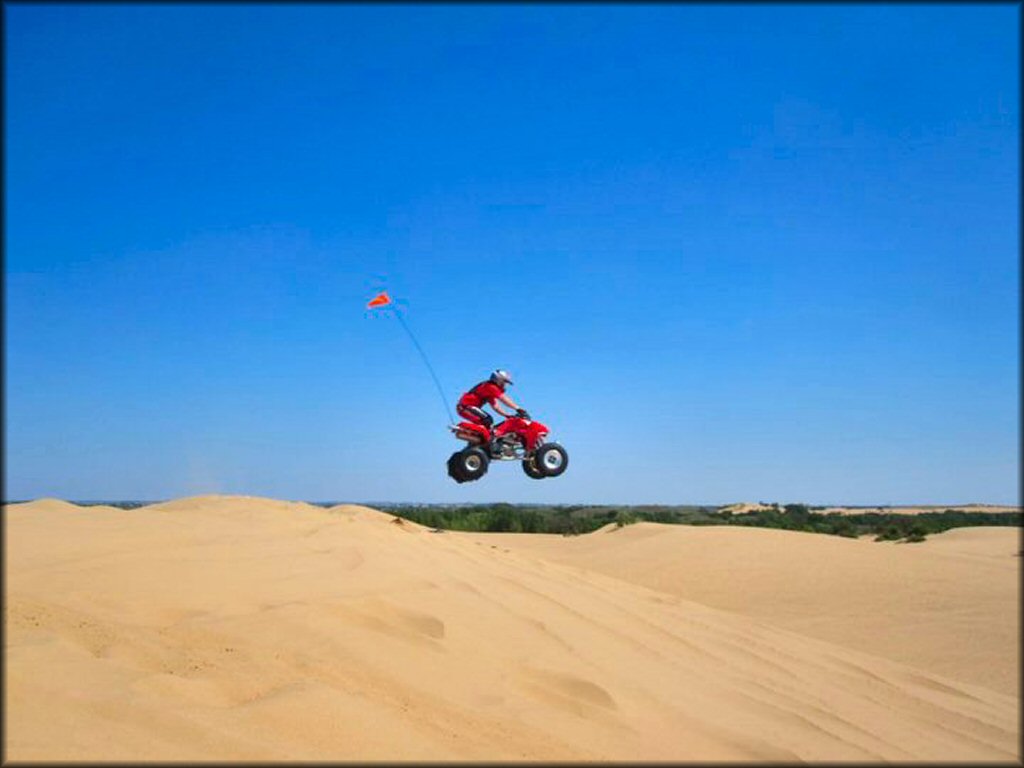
[551, 459]
[468, 464]
[453, 468]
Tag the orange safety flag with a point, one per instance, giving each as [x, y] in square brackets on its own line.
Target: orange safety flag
[380, 300]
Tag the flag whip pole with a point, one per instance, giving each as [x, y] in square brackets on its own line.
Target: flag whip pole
[430, 368]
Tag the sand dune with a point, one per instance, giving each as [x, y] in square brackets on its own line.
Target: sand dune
[234, 628]
[986, 542]
[948, 604]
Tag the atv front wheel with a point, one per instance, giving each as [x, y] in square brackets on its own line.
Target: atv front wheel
[551, 459]
[531, 469]
[467, 465]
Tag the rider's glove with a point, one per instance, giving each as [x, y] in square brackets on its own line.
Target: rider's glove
[521, 413]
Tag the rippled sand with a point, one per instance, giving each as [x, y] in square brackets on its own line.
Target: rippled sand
[237, 628]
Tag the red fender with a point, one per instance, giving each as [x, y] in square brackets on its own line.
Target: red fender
[530, 432]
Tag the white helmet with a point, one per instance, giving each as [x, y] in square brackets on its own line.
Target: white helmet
[501, 378]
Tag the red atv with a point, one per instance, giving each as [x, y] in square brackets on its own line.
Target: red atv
[517, 438]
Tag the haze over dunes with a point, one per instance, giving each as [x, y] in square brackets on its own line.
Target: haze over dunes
[237, 628]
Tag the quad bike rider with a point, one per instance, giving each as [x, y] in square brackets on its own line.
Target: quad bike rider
[490, 392]
[518, 438]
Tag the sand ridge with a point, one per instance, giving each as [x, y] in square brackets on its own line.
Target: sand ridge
[234, 629]
[922, 604]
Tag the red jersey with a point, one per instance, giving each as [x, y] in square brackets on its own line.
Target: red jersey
[484, 392]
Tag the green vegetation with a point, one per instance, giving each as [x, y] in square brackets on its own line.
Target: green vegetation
[571, 520]
[884, 526]
[568, 520]
[118, 504]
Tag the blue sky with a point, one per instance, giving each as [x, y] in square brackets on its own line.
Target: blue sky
[729, 252]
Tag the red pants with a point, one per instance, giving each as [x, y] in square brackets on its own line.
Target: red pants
[475, 415]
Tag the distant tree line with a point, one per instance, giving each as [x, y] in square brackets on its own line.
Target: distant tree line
[118, 504]
[567, 520]
[572, 520]
[884, 526]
